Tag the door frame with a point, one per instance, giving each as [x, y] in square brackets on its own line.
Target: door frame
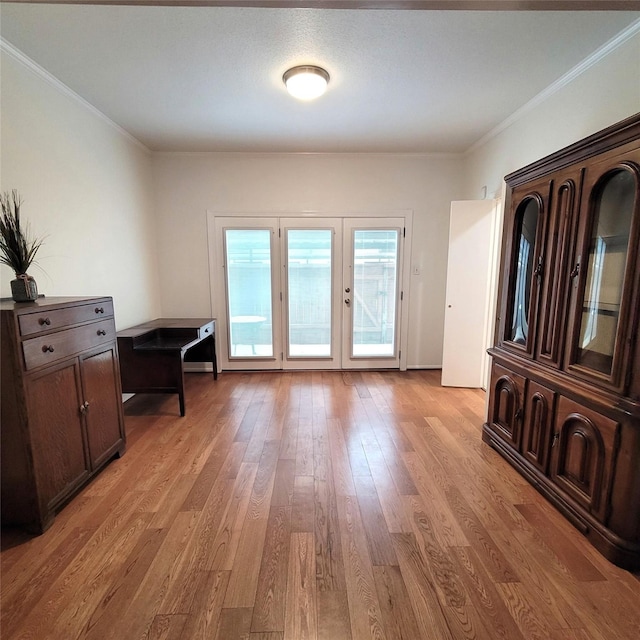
[378, 223]
[301, 222]
[216, 277]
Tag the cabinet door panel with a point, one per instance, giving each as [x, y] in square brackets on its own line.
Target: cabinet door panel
[538, 425]
[557, 266]
[505, 404]
[56, 432]
[99, 375]
[583, 452]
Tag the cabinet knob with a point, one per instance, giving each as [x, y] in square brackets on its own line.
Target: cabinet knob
[43, 321]
[47, 348]
[101, 332]
[99, 309]
[86, 405]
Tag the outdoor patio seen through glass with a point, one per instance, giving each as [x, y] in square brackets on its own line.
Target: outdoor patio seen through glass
[375, 278]
[248, 263]
[309, 275]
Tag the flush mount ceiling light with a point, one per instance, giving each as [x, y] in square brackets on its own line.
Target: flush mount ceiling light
[306, 82]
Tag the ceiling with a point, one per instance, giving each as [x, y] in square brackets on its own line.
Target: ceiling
[205, 78]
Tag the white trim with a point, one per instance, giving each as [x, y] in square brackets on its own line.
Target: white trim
[34, 67]
[217, 294]
[343, 154]
[598, 55]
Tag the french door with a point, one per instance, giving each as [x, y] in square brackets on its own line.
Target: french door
[308, 292]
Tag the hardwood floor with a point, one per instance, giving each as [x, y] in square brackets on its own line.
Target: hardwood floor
[324, 505]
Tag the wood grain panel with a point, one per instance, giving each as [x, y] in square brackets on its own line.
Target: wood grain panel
[269, 608]
[364, 608]
[197, 534]
[301, 614]
[421, 589]
[375, 525]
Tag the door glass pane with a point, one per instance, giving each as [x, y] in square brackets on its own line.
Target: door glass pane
[309, 292]
[373, 299]
[525, 239]
[605, 272]
[248, 262]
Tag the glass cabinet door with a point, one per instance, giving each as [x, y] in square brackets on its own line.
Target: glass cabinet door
[526, 265]
[600, 309]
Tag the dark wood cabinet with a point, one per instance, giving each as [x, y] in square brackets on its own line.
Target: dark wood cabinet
[582, 456]
[506, 404]
[62, 414]
[538, 427]
[564, 400]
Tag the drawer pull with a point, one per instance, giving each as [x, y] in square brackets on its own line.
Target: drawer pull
[99, 309]
[101, 332]
[47, 348]
[43, 321]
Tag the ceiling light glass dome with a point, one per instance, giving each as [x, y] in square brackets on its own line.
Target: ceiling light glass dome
[306, 82]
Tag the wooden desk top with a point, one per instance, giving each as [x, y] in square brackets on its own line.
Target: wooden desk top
[165, 323]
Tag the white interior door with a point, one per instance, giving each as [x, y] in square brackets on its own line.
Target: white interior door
[468, 292]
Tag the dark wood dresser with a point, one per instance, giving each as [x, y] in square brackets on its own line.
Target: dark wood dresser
[62, 418]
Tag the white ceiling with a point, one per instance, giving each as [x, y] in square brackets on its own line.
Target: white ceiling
[210, 78]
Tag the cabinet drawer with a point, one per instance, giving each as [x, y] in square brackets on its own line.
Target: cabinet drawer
[47, 319]
[62, 344]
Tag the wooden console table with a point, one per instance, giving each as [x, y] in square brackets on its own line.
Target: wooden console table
[152, 354]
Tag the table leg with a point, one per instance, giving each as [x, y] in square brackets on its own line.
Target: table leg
[214, 360]
[180, 379]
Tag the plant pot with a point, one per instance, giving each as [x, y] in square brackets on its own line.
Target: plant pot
[24, 288]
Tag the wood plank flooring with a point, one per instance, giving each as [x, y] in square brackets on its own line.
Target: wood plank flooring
[314, 505]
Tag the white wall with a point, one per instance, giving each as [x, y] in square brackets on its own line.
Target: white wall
[86, 187]
[102, 200]
[189, 185]
[605, 93]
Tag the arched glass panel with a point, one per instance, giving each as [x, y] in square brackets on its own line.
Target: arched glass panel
[606, 262]
[525, 239]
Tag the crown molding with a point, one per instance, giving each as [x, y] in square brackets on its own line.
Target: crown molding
[598, 55]
[440, 5]
[62, 88]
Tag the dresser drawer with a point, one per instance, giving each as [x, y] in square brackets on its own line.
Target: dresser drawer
[47, 349]
[47, 319]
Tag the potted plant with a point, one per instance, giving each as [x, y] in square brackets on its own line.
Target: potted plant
[17, 249]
